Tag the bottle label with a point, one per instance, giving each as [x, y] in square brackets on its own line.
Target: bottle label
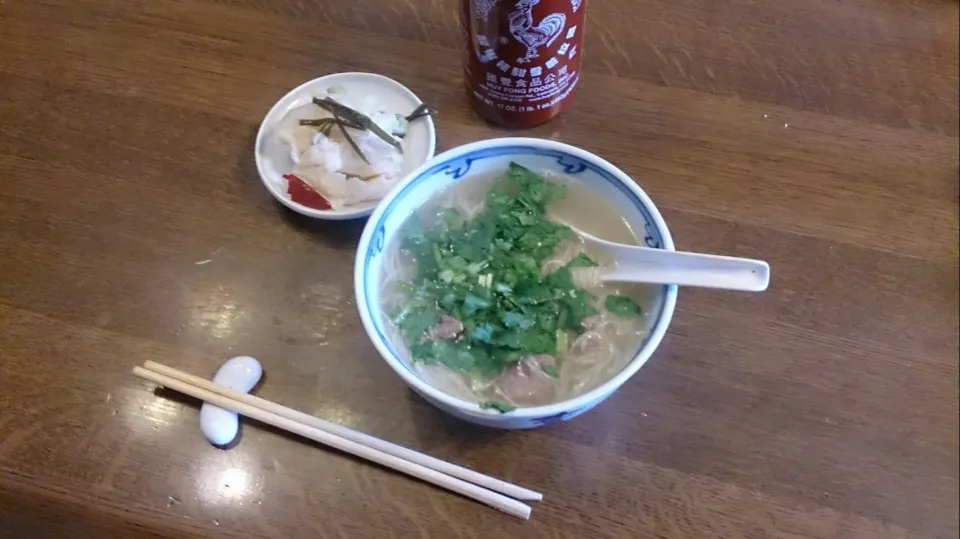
[524, 54]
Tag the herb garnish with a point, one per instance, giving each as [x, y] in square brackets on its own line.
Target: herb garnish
[551, 371]
[422, 110]
[353, 143]
[486, 273]
[352, 176]
[501, 407]
[622, 305]
[345, 117]
[339, 110]
[327, 123]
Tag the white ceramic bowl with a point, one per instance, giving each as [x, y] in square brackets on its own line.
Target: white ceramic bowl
[493, 156]
[273, 158]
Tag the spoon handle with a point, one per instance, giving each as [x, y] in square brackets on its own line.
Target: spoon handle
[658, 266]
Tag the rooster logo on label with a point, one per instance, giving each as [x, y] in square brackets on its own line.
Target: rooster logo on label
[534, 37]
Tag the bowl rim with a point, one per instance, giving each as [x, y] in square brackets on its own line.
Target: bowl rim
[596, 394]
[335, 215]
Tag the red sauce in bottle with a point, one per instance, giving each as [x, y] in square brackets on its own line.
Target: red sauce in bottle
[522, 60]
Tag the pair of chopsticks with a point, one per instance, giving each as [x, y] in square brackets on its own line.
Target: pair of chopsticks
[482, 488]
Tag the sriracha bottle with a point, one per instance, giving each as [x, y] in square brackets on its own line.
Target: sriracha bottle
[522, 59]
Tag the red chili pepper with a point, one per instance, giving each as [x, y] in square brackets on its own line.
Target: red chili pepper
[301, 193]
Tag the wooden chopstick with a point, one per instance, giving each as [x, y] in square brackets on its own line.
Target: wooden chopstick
[470, 490]
[492, 483]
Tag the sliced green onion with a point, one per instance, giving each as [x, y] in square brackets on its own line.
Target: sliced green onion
[563, 341]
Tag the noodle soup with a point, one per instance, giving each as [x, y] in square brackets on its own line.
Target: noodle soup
[480, 298]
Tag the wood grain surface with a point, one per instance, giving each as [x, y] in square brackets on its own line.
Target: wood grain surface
[820, 135]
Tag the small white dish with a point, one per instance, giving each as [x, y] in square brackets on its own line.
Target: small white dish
[273, 158]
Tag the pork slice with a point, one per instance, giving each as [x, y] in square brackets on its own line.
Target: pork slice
[447, 329]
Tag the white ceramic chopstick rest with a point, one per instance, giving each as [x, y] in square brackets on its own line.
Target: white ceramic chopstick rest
[241, 373]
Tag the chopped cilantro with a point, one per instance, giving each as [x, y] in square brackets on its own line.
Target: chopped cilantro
[563, 342]
[473, 303]
[512, 319]
[501, 407]
[414, 322]
[582, 261]
[622, 305]
[482, 333]
[486, 272]
[449, 215]
[551, 371]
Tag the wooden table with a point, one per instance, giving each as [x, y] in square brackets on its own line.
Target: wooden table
[819, 135]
